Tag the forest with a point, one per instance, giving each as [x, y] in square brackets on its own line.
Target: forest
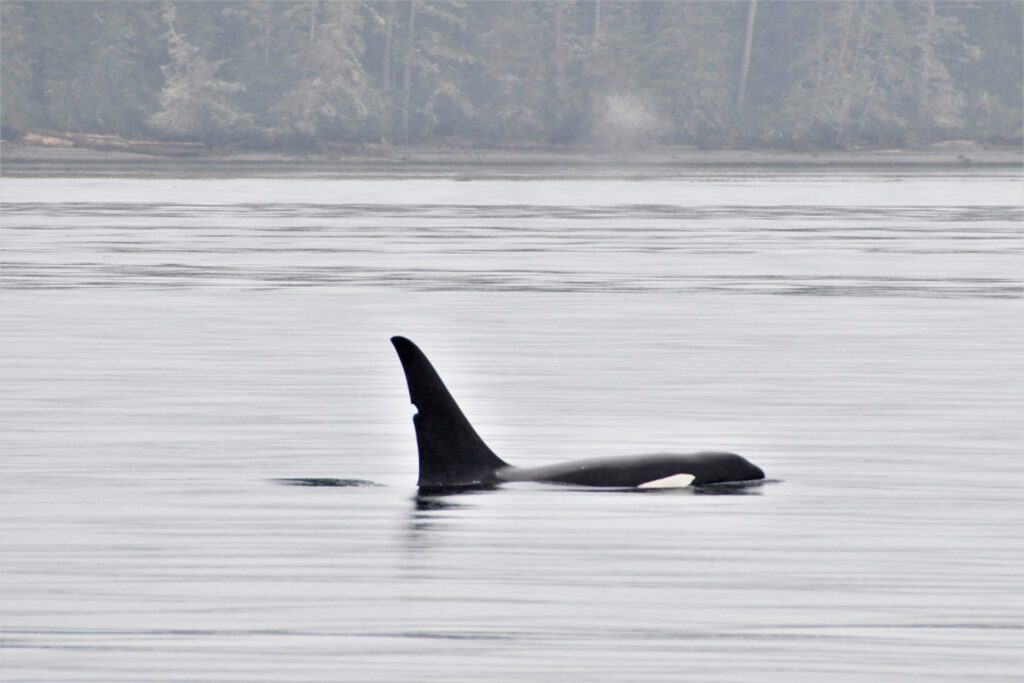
[715, 75]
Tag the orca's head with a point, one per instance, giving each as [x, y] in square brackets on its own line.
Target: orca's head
[735, 467]
[748, 470]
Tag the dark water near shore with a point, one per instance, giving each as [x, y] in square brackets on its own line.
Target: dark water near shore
[169, 349]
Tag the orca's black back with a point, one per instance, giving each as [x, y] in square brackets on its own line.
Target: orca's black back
[451, 452]
[628, 471]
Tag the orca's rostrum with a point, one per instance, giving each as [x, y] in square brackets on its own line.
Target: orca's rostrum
[452, 454]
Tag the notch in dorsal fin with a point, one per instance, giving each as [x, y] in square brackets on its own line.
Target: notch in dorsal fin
[451, 452]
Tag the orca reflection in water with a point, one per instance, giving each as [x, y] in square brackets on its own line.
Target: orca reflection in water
[452, 454]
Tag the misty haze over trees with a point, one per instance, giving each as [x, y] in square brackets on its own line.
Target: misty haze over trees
[259, 74]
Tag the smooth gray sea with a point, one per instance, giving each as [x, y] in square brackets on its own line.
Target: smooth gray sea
[170, 348]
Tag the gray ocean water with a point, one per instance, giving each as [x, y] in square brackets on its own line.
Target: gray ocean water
[169, 347]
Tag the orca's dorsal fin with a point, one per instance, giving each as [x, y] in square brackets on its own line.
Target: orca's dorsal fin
[451, 452]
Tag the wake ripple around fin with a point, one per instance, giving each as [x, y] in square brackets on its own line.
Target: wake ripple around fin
[326, 482]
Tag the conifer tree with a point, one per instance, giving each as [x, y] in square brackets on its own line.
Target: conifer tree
[15, 70]
[693, 49]
[194, 102]
[432, 69]
[333, 98]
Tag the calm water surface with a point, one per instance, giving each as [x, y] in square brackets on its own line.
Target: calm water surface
[171, 347]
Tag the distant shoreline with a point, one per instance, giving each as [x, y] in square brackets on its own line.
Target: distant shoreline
[19, 159]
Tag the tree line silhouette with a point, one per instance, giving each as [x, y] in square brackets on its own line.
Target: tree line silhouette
[313, 73]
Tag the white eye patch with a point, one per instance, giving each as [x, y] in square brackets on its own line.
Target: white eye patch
[676, 481]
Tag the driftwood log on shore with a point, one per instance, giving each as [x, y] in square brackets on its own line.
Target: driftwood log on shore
[114, 143]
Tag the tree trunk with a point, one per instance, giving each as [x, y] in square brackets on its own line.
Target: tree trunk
[268, 21]
[312, 21]
[387, 124]
[876, 73]
[853, 73]
[559, 62]
[410, 44]
[307, 66]
[924, 68]
[747, 44]
[389, 24]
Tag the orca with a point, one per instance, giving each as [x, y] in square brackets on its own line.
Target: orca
[452, 455]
